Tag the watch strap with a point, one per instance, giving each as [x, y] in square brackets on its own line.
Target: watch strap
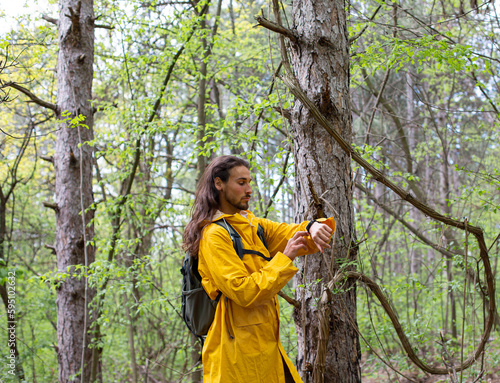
[309, 225]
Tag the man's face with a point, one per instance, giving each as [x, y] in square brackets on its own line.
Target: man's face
[235, 193]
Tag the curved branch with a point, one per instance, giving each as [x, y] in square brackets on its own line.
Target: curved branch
[375, 288]
[294, 88]
[32, 97]
[471, 274]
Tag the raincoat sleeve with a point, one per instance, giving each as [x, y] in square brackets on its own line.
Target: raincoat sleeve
[220, 263]
[278, 234]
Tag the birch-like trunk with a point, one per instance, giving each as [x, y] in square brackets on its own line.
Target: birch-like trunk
[73, 167]
[320, 60]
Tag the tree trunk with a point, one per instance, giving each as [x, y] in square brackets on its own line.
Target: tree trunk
[10, 315]
[202, 89]
[202, 164]
[131, 342]
[323, 171]
[415, 254]
[73, 167]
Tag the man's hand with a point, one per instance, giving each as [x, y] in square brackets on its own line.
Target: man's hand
[296, 243]
[320, 234]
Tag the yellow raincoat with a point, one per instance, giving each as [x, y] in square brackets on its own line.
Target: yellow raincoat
[243, 344]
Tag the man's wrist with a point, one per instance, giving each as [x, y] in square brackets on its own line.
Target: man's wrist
[309, 225]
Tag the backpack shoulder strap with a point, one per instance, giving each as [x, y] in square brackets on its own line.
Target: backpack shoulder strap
[235, 237]
[255, 252]
[238, 243]
[262, 236]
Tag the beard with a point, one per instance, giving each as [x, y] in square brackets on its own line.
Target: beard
[238, 204]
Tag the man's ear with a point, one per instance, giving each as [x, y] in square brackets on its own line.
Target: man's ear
[218, 183]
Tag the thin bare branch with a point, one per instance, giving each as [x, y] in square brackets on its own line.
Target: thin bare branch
[48, 159]
[354, 38]
[290, 300]
[271, 25]
[483, 91]
[256, 123]
[50, 19]
[32, 97]
[101, 26]
[377, 101]
[283, 172]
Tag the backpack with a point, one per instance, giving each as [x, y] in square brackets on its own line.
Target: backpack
[198, 310]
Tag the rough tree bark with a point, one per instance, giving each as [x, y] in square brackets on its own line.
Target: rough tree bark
[320, 60]
[73, 169]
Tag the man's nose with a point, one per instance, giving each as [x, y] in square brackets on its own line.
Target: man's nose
[249, 189]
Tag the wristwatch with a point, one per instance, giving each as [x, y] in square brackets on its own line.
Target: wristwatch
[309, 225]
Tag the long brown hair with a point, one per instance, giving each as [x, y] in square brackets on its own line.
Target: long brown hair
[206, 200]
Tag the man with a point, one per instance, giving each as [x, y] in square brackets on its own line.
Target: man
[243, 345]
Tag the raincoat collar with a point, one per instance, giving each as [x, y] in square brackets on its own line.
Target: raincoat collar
[243, 214]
